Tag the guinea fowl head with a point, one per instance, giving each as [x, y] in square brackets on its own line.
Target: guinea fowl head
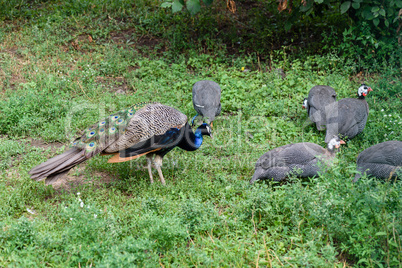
[334, 143]
[363, 90]
[305, 104]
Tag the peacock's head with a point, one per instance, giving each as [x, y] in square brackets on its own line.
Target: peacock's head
[363, 90]
[205, 129]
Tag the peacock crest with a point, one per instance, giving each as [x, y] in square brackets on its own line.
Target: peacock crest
[97, 137]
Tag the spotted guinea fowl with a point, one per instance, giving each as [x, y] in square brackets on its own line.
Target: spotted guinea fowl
[150, 129]
[383, 160]
[318, 100]
[286, 160]
[206, 100]
[348, 117]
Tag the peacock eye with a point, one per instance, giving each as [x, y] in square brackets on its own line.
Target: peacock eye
[91, 144]
[120, 120]
[92, 133]
[101, 130]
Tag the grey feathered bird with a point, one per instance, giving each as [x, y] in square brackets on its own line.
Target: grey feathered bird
[383, 160]
[150, 129]
[319, 99]
[348, 117]
[286, 160]
[206, 100]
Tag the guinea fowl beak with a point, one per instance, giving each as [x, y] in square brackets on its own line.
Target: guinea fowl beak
[304, 107]
[339, 145]
[369, 89]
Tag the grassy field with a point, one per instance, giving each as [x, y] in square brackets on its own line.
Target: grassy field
[67, 64]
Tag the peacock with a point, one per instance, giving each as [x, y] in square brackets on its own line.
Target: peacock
[148, 128]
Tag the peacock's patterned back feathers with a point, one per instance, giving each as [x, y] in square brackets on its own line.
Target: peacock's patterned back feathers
[127, 127]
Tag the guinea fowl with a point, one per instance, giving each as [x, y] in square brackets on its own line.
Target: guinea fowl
[206, 100]
[150, 129]
[286, 160]
[318, 100]
[383, 160]
[348, 117]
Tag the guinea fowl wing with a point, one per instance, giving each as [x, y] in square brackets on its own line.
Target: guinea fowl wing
[344, 117]
[290, 154]
[206, 99]
[382, 153]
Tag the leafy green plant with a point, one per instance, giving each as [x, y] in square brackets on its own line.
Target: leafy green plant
[193, 6]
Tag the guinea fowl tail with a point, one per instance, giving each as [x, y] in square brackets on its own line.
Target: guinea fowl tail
[57, 166]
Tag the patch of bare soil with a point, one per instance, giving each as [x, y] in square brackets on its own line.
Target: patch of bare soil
[143, 43]
[14, 77]
[122, 37]
[45, 145]
[82, 43]
[118, 85]
[70, 181]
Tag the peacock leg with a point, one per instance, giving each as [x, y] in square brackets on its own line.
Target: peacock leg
[158, 165]
[149, 162]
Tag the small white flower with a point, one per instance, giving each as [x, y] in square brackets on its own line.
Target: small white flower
[382, 110]
[78, 193]
[87, 206]
[65, 207]
[71, 219]
[385, 135]
[79, 199]
[385, 115]
[30, 211]
[95, 216]
[82, 204]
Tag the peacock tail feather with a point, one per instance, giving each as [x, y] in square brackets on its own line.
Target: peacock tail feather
[101, 135]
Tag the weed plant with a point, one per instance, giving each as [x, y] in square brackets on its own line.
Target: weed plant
[65, 65]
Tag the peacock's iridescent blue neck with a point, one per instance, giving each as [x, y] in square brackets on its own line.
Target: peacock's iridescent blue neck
[197, 138]
[191, 141]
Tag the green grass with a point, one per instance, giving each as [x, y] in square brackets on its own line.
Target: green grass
[64, 65]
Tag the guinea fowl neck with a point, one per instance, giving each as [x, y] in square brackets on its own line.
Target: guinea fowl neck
[191, 141]
[361, 97]
[332, 150]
